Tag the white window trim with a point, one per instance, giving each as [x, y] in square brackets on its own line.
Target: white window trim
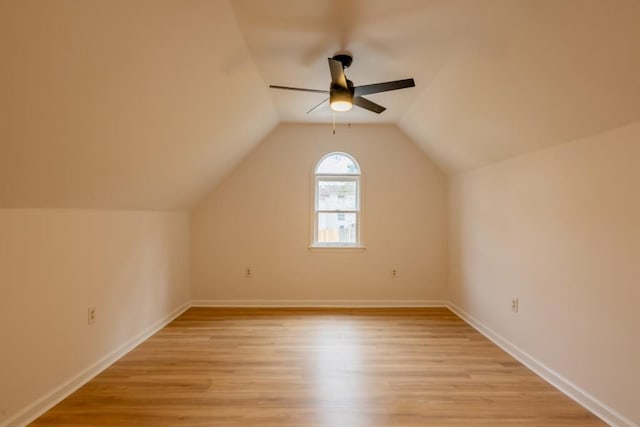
[358, 245]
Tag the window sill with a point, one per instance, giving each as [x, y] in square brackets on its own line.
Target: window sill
[337, 248]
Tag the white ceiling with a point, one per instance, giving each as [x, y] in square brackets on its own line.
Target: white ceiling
[495, 78]
[146, 104]
[290, 41]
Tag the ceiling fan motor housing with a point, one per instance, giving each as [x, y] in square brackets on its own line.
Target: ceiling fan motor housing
[336, 88]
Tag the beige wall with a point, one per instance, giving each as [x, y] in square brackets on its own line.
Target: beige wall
[560, 230]
[54, 264]
[259, 217]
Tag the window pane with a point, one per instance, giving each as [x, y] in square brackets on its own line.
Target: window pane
[337, 195]
[338, 164]
[332, 229]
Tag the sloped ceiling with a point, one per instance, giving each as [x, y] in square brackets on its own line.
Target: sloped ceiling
[123, 104]
[557, 71]
[146, 104]
[495, 78]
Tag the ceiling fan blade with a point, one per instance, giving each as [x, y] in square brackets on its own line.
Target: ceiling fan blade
[368, 105]
[337, 73]
[319, 105]
[383, 87]
[299, 89]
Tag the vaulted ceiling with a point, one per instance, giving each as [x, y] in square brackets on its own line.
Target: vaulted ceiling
[124, 104]
[146, 104]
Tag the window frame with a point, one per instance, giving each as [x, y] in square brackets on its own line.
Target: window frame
[338, 177]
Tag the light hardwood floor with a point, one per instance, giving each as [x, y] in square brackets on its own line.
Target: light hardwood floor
[318, 367]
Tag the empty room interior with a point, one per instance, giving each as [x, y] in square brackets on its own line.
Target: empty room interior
[343, 213]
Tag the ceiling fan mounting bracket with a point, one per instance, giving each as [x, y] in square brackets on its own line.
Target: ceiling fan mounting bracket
[346, 58]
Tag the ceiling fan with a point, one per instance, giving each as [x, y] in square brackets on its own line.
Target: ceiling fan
[343, 94]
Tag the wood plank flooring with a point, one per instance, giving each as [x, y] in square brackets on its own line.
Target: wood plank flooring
[317, 367]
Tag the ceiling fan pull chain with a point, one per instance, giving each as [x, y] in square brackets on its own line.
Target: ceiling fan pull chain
[334, 122]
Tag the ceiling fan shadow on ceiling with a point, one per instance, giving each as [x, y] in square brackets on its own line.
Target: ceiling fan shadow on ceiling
[343, 95]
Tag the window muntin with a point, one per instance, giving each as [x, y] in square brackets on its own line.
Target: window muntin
[337, 164]
[337, 202]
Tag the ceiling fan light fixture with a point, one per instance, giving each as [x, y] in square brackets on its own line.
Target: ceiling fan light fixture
[341, 106]
[340, 101]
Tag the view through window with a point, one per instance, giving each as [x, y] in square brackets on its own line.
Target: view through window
[337, 201]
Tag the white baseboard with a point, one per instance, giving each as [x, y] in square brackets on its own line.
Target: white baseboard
[320, 303]
[48, 401]
[600, 409]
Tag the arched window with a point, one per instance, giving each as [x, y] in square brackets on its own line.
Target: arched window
[337, 202]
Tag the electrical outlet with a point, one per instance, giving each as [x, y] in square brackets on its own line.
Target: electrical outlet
[248, 272]
[514, 305]
[91, 315]
[394, 273]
